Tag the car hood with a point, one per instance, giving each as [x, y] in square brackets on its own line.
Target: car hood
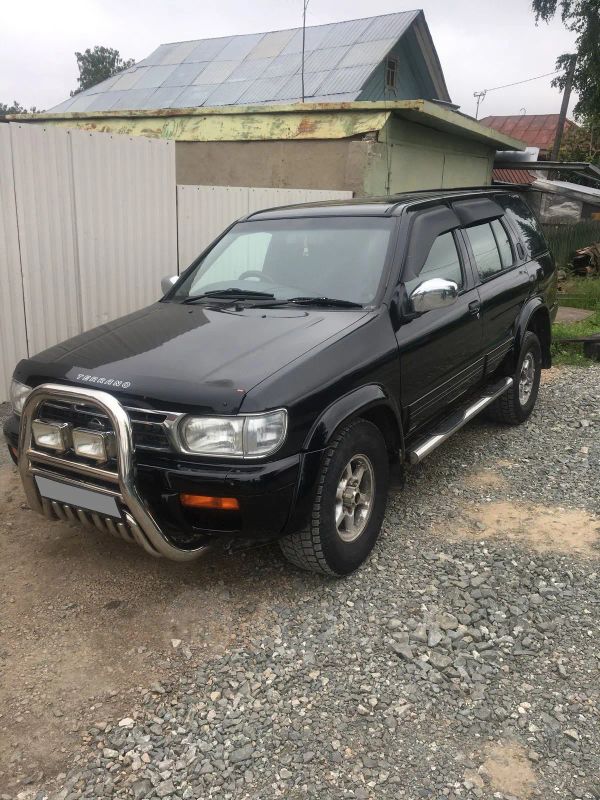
[187, 356]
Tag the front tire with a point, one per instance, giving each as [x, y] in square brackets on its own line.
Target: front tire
[515, 405]
[349, 505]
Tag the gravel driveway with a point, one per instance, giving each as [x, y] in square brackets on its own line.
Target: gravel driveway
[462, 661]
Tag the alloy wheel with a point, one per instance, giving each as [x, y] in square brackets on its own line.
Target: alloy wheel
[526, 378]
[354, 498]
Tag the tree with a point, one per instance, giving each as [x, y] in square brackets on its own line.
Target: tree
[16, 108]
[97, 65]
[583, 18]
[582, 143]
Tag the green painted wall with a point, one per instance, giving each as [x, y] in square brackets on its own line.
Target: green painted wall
[410, 156]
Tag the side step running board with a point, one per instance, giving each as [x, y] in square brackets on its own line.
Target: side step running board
[455, 421]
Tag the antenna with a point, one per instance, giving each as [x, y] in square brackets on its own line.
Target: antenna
[480, 96]
[305, 6]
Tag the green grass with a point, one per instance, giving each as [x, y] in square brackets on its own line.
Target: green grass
[577, 293]
[580, 293]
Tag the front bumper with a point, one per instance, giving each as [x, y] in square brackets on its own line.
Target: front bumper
[273, 496]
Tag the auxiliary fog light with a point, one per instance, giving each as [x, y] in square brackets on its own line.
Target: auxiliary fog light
[90, 444]
[53, 435]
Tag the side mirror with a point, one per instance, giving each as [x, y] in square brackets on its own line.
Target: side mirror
[434, 293]
[167, 283]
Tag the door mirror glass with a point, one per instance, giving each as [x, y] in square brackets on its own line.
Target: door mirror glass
[167, 283]
[434, 293]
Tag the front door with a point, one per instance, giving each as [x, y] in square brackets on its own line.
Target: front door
[441, 351]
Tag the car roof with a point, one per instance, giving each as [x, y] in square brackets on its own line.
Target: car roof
[392, 205]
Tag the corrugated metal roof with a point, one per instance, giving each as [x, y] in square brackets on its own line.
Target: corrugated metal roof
[253, 68]
[512, 175]
[536, 130]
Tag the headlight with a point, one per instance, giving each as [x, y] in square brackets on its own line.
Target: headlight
[243, 436]
[18, 394]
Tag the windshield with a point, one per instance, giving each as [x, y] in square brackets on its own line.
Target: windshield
[341, 258]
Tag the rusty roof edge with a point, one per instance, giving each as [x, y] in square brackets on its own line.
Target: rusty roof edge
[427, 112]
[201, 111]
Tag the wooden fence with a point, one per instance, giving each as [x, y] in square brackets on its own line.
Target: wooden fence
[565, 239]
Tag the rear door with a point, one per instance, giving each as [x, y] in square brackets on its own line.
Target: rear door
[440, 351]
[531, 244]
[503, 282]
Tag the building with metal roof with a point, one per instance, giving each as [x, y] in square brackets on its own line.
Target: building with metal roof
[377, 116]
[367, 147]
[536, 130]
[373, 58]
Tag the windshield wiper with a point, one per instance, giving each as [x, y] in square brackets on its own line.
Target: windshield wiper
[231, 293]
[334, 302]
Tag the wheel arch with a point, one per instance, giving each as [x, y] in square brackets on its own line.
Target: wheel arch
[535, 317]
[370, 402]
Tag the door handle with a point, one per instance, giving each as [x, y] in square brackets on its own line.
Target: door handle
[475, 307]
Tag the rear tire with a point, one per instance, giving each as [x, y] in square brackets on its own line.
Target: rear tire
[349, 505]
[515, 405]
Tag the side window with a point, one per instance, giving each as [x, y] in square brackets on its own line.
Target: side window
[503, 242]
[485, 250]
[524, 220]
[442, 262]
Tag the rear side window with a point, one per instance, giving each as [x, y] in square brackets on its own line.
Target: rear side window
[442, 262]
[503, 242]
[525, 222]
[485, 250]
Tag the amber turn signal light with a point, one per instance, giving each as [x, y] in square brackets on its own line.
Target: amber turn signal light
[205, 501]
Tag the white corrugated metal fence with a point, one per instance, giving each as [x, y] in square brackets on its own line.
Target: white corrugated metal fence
[87, 228]
[90, 222]
[204, 211]
[13, 336]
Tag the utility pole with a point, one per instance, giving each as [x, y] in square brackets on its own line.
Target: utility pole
[305, 6]
[563, 108]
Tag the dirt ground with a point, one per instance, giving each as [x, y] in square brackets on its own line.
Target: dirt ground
[88, 621]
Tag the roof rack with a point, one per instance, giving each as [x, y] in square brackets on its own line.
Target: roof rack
[450, 189]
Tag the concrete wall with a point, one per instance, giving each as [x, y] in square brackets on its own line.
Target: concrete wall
[406, 156]
[337, 164]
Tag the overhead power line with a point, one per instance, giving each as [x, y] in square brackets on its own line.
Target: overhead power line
[516, 83]
[481, 95]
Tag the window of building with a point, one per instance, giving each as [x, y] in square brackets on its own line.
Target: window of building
[391, 72]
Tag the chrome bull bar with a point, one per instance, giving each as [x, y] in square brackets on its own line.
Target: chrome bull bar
[138, 523]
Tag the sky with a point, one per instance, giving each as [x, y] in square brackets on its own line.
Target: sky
[479, 46]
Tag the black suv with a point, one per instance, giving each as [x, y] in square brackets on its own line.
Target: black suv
[268, 391]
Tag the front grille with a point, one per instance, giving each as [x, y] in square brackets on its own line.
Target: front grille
[148, 430]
